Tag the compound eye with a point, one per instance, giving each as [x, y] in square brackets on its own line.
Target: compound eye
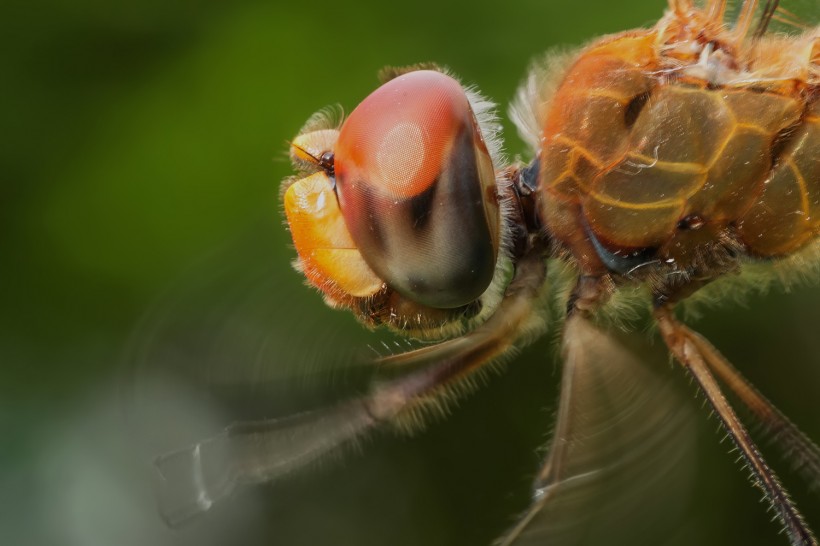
[416, 186]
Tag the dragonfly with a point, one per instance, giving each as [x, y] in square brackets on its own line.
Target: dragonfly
[667, 163]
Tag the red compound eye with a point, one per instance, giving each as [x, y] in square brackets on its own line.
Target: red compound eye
[412, 176]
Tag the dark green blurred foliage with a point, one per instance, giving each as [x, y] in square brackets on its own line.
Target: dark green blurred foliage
[141, 151]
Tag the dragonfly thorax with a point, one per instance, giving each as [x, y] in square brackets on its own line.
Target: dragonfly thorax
[651, 165]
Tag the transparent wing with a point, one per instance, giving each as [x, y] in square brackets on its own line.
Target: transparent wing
[236, 339]
[239, 326]
[623, 439]
[403, 387]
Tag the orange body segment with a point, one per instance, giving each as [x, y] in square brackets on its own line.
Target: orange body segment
[640, 152]
[787, 214]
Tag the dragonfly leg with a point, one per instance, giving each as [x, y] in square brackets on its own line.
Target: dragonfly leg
[689, 353]
[793, 443]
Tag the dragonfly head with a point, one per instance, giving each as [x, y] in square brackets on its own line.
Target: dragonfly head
[401, 208]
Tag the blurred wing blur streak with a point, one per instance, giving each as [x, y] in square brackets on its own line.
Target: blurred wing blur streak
[621, 434]
[194, 478]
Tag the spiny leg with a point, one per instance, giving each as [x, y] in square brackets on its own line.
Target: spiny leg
[792, 442]
[766, 18]
[690, 355]
[744, 20]
[192, 479]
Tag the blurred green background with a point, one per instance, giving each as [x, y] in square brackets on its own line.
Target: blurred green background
[143, 252]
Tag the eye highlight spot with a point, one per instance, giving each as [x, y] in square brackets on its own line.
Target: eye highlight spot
[400, 158]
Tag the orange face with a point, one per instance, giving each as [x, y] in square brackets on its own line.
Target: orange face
[329, 257]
